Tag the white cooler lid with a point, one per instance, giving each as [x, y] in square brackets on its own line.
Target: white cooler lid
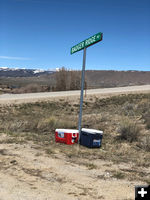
[67, 130]
[92, 131]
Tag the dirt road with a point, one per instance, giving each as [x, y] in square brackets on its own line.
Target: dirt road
[32, 97]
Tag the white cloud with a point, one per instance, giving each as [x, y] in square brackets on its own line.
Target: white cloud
[13, 58]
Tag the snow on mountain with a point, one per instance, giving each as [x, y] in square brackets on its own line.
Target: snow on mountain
[22, 72]
[38, 71]
[4, 68]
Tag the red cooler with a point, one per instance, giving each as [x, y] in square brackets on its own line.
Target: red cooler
[67, 136]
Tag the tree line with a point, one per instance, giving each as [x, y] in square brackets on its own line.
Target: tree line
[68, 80]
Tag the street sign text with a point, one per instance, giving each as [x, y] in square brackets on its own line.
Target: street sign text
[86, 43]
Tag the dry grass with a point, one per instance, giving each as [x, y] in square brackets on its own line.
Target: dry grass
[146, 117]
[38, 121]
[129, 130]
[144, 143]
[118, 175]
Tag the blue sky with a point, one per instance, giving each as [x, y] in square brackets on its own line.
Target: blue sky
[40, 33]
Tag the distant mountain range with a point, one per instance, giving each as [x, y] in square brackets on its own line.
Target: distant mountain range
[17, 72]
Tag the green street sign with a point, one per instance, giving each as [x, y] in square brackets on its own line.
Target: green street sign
[88, 42]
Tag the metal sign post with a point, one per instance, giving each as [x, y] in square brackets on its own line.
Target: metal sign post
[83, 45]
[82, 89]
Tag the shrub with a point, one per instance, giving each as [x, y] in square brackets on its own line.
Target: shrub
[145, 143]
[53, 122]
[129, 130]
[91, 166]
[119, 175]
[128, 109]
[147, 119]
[47, 124]
[143, 106]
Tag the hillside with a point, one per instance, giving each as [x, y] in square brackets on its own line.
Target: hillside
[24, 80]
[117, 78]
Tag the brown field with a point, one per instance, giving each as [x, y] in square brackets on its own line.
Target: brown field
[33, 166]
